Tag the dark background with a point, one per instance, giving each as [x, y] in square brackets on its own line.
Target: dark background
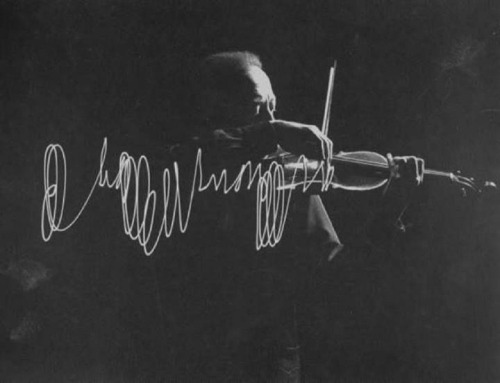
[413, 77]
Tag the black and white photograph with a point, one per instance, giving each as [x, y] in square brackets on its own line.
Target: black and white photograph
[260, 191]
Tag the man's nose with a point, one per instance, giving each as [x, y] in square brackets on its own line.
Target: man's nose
[270, 113]
[266, 113]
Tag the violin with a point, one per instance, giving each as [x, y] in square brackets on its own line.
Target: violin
[357, 171]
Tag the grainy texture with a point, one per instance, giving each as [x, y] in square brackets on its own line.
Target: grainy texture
[413, 77]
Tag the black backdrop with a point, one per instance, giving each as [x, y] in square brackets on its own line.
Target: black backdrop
[414, 77]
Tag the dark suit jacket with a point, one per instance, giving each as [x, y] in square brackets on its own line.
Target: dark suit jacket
[227, 303]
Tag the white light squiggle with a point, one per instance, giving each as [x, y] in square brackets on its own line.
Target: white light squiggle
[139, 208]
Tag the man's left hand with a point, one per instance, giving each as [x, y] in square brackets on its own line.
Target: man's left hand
[409, 169]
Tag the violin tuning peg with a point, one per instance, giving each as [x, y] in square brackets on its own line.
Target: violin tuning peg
[490, 185]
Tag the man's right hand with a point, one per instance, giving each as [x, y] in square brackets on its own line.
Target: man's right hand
[303, 139]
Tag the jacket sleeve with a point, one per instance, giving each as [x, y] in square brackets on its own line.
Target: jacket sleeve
[310, 232]
[232, 146]
[320, 231]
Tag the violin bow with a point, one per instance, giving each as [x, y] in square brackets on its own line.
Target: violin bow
[469, 183]
[328, 101]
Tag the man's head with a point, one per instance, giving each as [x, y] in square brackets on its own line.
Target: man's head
[234, 90]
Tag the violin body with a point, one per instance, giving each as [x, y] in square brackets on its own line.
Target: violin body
[353, 171]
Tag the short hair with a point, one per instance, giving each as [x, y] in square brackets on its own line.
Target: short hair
[224, 72]
[236, 58]
[221, 80]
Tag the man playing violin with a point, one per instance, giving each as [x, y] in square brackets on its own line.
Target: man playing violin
[237, 308]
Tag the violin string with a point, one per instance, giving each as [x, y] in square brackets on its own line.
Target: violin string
[437, 173]
[357, 161]
[384, 167]
[354, 161]
[379, 166]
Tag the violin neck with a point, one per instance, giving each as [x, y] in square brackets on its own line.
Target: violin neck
[438, 173]
[366, 164]
[383, 169]
[337, 160]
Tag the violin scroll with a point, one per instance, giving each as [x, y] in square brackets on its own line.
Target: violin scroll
[467, 183]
